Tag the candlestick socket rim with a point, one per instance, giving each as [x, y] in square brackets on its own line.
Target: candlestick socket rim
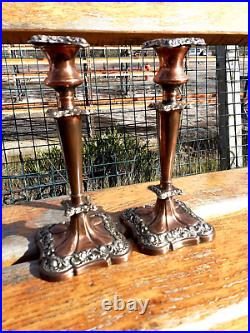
[42, 40]
[175, 42]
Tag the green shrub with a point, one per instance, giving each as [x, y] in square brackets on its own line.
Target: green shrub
[44, 162]
[109, 159]
[115, 158]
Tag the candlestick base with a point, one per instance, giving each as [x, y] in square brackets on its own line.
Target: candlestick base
[91, 239]
[166, 226]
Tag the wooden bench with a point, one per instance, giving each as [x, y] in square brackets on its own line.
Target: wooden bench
[201, 287]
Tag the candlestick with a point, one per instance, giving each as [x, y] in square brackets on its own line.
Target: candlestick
[169, 224]
[90, 238]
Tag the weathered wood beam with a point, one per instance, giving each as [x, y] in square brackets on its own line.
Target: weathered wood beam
[198, 288]
[120, 23]
[215, 196]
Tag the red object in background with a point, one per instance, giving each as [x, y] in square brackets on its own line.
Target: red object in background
[147, 68]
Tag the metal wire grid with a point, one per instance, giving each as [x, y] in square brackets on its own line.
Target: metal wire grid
[120, 134]
[232, 79]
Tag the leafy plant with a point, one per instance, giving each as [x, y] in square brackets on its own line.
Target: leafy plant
[115, 158]
[109, 159]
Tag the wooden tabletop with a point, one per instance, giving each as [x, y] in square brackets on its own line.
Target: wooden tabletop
[121, 23]
[203, 287]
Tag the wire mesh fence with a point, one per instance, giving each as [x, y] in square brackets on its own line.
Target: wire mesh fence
[119, 128]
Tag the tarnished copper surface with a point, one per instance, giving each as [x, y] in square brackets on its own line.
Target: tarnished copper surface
[90, 238]
[169, 224]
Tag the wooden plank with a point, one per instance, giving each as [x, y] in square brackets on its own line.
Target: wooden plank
[240, 324]
[120, 24]
[116, 102]
[111, 60]
[209, 195]
[200, 287]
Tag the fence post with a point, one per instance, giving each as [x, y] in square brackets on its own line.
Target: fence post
[229, 107]
[87, 101]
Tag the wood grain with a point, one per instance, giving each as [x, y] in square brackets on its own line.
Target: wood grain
[190, 287]
[240, 324]
[120, 24]
[209, 195]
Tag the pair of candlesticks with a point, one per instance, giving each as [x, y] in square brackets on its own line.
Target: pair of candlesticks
[91, 237]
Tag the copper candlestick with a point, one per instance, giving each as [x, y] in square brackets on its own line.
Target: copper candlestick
[90, 238]
[169, 224]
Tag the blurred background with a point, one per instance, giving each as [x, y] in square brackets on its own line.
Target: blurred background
[119, 131]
